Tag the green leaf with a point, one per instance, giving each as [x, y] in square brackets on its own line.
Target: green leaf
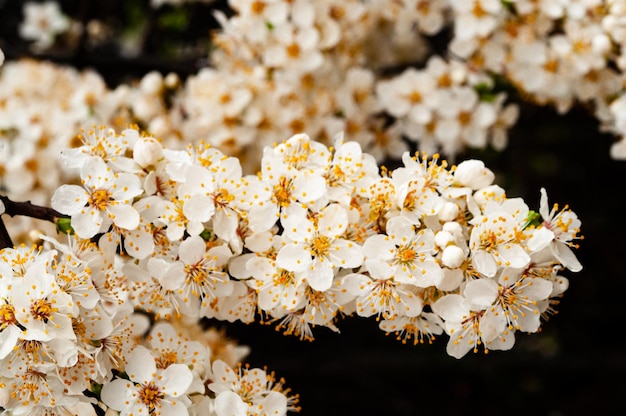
[175, 20]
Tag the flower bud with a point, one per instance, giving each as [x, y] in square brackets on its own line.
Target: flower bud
[449, 211]
[473, 174]
[151, 83]
[454, 228]
[147, 152]
[443, 238]
[453, 257]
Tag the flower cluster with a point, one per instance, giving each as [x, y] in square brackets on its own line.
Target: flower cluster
[559, 53]
[67, 327]
[319, 233]
[330, 67]
[326, 65]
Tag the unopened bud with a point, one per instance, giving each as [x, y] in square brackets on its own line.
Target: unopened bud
[473, 174]
[448, 212]
[443, 238]
[147, 152]
[453, 257]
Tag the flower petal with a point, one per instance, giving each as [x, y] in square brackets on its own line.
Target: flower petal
[69, 199]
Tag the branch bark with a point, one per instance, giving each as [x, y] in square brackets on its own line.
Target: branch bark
[27, 209]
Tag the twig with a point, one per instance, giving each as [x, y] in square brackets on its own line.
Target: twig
[5, 238]
[29, 209]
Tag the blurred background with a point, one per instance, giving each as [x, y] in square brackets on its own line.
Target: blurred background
[576, 365]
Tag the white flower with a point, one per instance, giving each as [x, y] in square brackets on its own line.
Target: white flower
[412, 93]
[204, 277]
[318, 249]
[41, 307]
[171, 347]
[295, 49]
[495, 238]
[42, 22]
[475, 18]
[105, 198]
[557, 231]
[377, 292]
[248, 391]
[409, 253]
[468, 323]
[149, 388]
[520, 298]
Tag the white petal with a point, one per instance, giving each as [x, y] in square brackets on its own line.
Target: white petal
[141, 366]
[537, 288]
[293, 257]
[357, 284]
[484, 263]
[230, 404]
[192, 249]
[458, 347]
[491, 325]
[320, 277]
[69, 199]
[540, 239]
[87, 223]
[346, 254]
[262, 218]
[566, 256]
[274, 403]
[451, 308]
[412, 304]
[124, 216]
[514, 256]
[400, 230]
[333, 221]
[175, 379]
[379, 246]
[127, 186]
[118, 393]
[199, 208]
[139, 243]
[174, 408]
[481, 293]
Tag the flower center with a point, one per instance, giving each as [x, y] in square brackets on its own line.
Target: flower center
[166, 359]
[99, 199]
[42, 309]
[293, 50]
[282, 192]
[222, 198]
[320, 245]
[405, 254]
[488, 240]
[7, 315]
[196, 273]
[150, 395]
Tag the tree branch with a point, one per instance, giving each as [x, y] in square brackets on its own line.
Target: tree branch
[28, 209]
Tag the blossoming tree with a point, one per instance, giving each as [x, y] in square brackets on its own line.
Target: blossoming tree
[171, 203]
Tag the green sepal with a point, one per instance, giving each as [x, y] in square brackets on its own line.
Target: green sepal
[533, 219]
[206, 235]
[64, 226]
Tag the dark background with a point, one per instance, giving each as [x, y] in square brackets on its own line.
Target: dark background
[575, 366]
